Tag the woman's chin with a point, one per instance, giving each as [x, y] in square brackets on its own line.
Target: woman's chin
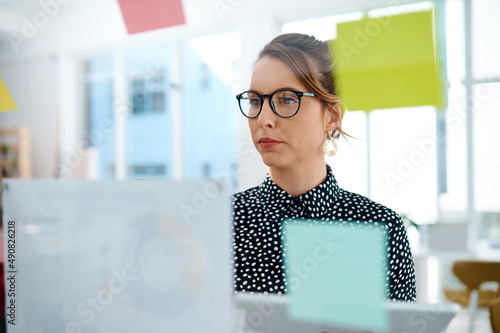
[271, 160]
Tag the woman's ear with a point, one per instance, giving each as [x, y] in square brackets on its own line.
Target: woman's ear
[333, 117]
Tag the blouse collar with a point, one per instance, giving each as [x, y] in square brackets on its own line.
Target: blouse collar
[316, 203]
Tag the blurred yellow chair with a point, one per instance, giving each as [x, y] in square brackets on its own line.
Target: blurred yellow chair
[495, 315]
[472, 273]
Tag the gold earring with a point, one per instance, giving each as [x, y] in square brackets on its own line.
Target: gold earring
[330, 147]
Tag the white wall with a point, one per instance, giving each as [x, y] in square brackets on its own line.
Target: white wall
[33, 85]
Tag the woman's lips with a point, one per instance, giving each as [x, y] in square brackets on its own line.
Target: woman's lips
[267, 142]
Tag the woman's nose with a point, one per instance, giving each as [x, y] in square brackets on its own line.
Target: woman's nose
[267, 117]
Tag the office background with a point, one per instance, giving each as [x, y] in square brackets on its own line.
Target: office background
[102, 104]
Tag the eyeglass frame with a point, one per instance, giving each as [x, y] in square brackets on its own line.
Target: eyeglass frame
[270, 96]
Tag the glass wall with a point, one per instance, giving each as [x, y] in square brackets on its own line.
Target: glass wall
[433, 165]
[487, 160]
[210, 114]
[149, 123]
[486, 99]
[100, 119]
[402, 173]
[206, 116]
[403, 161]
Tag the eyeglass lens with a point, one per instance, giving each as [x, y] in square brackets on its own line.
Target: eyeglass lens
[284, 102]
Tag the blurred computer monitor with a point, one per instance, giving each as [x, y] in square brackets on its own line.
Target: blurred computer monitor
[109, 256]
[269, 314]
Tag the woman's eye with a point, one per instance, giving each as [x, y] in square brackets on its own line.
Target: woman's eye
[254, 102]
[288, 100]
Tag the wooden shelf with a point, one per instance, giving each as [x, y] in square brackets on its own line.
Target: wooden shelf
[15, 154]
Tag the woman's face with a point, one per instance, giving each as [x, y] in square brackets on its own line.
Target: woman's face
[287, 142]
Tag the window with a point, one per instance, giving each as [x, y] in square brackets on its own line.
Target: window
[149, 125]
[487, 158]
[182, 117]
[349, 165]
[99, 97]
[403, 161]
[210, 113]
[485, 51]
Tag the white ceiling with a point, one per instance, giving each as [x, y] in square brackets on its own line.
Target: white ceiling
[14, 14]
[21, 6]
[11, 15]
[98, 22]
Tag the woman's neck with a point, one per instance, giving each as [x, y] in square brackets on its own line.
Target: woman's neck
[298, 180]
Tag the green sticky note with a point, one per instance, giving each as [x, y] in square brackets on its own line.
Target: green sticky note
[335, 274]
[6, 101]
[388, 62]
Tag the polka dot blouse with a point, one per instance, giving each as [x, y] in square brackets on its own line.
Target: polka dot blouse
[257, 248]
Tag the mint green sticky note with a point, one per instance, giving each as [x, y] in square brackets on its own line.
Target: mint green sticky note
[335, 274]
[389, 62]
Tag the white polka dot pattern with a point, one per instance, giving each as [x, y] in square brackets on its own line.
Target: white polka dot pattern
[257, 239]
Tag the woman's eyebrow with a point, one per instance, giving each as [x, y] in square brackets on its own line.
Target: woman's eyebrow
[289, 88]
[283, 88]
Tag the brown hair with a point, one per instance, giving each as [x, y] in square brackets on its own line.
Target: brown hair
[311, 61]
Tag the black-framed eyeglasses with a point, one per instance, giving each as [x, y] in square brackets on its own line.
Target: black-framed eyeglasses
[284, 102]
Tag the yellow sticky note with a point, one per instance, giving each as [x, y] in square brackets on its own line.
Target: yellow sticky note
[6, 101]
[388, 62]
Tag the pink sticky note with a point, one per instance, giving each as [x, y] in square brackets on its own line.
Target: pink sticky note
[145, 15]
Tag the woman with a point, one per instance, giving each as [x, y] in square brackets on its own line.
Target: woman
[293, 115]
